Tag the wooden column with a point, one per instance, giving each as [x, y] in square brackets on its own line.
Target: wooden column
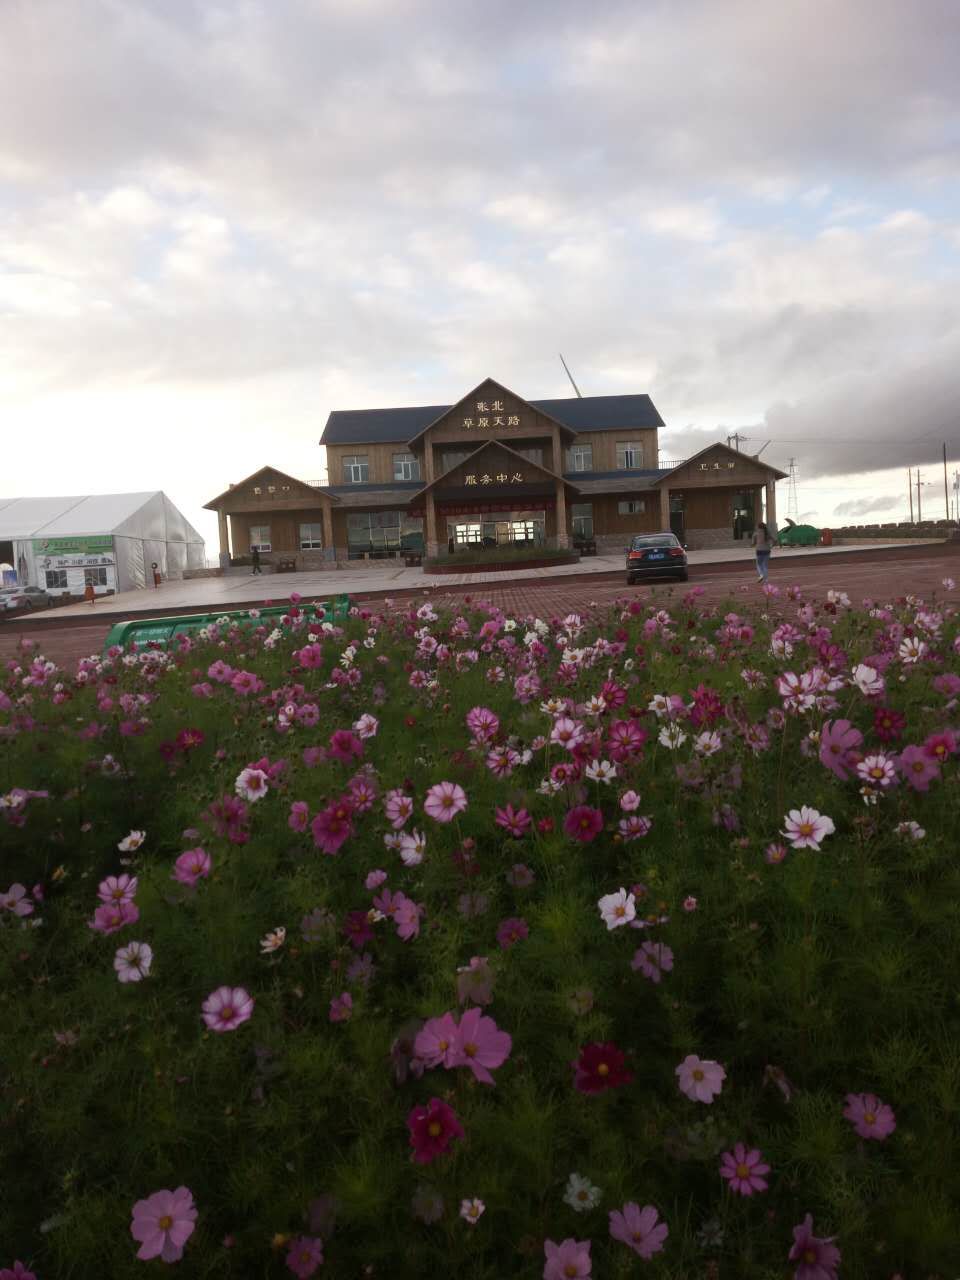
[224, 532]
[771, 500]
[557, 452]
[327, 511]
[665, 507]
[431, 515]
[563, 535]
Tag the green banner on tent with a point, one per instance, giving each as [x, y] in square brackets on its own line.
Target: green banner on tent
[97, 544]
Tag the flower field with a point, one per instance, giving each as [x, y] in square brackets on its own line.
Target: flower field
[456, 943]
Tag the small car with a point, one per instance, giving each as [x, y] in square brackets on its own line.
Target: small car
[23, 598]
[653, 554]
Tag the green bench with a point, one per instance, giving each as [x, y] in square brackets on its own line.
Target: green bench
[161, 631]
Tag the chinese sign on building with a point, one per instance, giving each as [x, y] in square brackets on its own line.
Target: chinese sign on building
[491, 414]
[500, 478]
[94, 545]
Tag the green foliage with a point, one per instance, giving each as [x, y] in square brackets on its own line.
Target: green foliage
[836, 971]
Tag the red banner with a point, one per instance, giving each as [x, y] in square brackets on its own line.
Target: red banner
[488, 508]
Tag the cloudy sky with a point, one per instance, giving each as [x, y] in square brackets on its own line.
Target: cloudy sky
[219, 221]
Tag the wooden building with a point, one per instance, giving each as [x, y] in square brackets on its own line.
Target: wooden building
[495, 469]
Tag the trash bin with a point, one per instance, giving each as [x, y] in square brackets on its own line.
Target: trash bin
[826, 537]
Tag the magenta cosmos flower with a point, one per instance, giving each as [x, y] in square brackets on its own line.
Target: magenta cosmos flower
[511, 931]
[869, 1116]
[163, 1223]
[639, 1229]
[700, 1079]
[583, 823]
[191, 866]
[571, 1258]
[742, 1169]
[304, 1256]
[838, 740]
[17, 1272]
[653, 960]
[111, 917]
[226, 1008]
[432, 1129]
[918, 768]
[444, 801]
[117, 889]
[816, 1258]
[435, 1041]
[600, 1067]
[805, 827]
[480, 1045]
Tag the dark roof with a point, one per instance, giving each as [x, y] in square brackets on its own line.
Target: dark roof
[589, 413]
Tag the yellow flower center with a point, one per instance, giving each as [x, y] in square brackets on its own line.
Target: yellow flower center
[806, 828]
[226, 1013]
[570, 1269]
[743, 1171]
[870, 1117]
[697, 1074]
[165, 1223]
[809, 1255]
[603, 1069]
[470, 1050]
[434, 1129]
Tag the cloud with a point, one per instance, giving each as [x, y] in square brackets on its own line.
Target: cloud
[863, 506]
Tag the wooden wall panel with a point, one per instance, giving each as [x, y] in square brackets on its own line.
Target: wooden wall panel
[604, 444]
[284, 529]
[608, 521]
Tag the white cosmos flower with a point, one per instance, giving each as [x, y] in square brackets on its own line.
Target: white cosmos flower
[133, 841]
[251, 784]
[133, 961]
[580, 1194]
[601, 771]
[868, 680]
[805, 827]
[617, 909]
[671, 736]
[274, 940]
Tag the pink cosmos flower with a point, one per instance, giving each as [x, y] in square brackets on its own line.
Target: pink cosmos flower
[244, 682]
[742, 1169]
[344, 746]
[512, 931]
[653, 960]
[775, 852]
[918, 768]
[805, 828]
[16, 900]
[600, 1067]
[878, 770]
[483, 724]
[375, 879]
[583, 823]
[472, 1211]
[432, 1129]
[299, 818]
[817, 1259]
[251, 784]
[629, 802]
[191, 866]
[407, 919]
[567, 1260]
[163, 1223]
[111, 917]
[17, 1272]
[516, 822]
[341, 1007]
[869, 1116]
[480, 1045]
[639, 1229]
[690, 903]
[226, 1008]
[435, 1043]
[634, 827]
[701, 1080]
[366, 727]
[520, 876]
[398, 807]
[133, 961]
[838, 740]
[444, 801]
[304, 1256]
[117, 889]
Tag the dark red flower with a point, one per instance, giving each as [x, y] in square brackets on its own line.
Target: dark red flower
[432, 1129]
[600, 1067]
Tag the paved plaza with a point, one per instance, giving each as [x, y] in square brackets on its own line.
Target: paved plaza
[880, 573]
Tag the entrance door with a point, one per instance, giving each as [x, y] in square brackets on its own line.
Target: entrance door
[678, 524]
[743, 515]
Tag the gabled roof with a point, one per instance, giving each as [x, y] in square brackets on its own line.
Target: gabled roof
[234, 489]
[498, 445]
[580, 414]
[81, 515]
[487, 385]
[724, 448]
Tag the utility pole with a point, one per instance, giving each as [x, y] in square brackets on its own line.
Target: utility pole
[793, 501]
[910, 491]
[919, 511]
[736, 437]
[946, 491]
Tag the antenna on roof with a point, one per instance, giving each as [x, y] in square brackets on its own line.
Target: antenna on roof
[570, 376]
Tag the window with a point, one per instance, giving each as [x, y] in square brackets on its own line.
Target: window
[96, 577]
[629, 455]
[581, 515]
[56, 579]
[406, 467]
[356, 469]
[533, 454]
[260, 537]
[451, 458]
[383, 533]
[580, 457]
[632, 507]
[311, 537]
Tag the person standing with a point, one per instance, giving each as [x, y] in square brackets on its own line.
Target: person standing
[255, 557]
[762, 542]
[89, 594]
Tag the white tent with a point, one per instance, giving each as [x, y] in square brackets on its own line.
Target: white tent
[110, 539]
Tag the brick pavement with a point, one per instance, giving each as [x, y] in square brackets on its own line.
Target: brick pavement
[877, 573]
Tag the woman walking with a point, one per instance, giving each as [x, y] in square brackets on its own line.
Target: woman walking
[763, 542]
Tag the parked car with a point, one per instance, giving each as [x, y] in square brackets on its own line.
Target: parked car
[23, 598]
[653, 554]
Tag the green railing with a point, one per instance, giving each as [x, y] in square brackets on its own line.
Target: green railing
[161, 631]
